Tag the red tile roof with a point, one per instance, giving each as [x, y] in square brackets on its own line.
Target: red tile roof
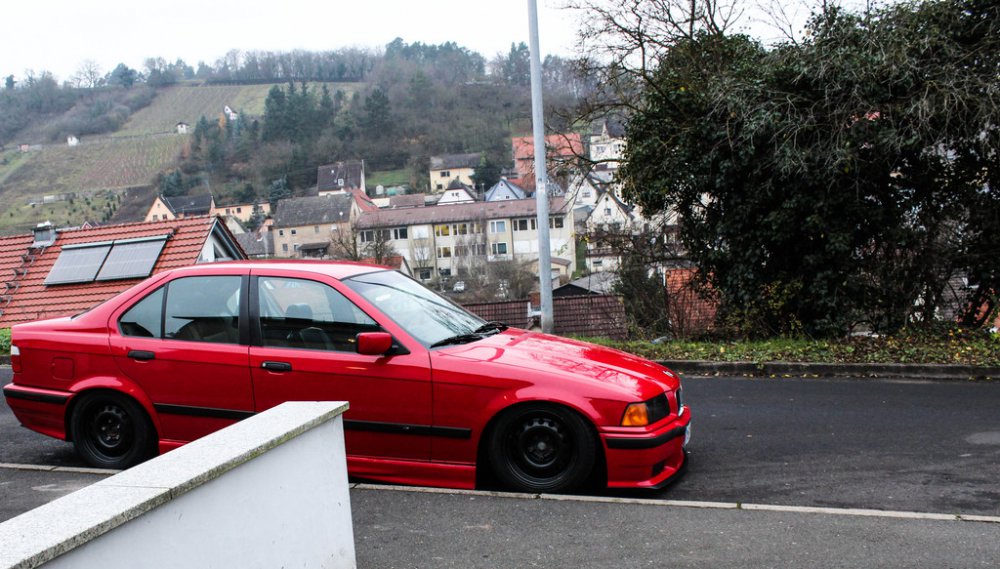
[24, 277]
[566, 146]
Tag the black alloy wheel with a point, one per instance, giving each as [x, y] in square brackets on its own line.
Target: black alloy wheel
[542, 448]
[112, 431]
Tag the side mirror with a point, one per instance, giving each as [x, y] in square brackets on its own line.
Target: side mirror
[374, 343]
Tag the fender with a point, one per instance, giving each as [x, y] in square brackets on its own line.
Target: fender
[121, 385]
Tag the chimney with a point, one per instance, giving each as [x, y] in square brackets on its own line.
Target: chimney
[45, 234]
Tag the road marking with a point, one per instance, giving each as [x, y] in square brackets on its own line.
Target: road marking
[67, 469]
[858, 512]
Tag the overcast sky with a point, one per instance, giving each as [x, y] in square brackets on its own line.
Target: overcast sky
[59, 35]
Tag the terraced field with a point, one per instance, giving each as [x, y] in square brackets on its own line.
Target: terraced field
[131, 157]
[188, 102]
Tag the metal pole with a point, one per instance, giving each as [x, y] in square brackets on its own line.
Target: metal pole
[541, 173]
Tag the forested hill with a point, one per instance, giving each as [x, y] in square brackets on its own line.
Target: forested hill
[393, 108]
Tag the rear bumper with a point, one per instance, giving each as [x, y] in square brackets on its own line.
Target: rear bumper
[41, 410]
[651, 459]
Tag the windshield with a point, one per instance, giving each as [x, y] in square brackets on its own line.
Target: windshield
[431, 319]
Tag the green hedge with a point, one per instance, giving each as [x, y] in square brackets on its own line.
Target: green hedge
[4, 341]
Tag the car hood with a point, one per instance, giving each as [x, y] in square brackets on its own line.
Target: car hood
[541, 355]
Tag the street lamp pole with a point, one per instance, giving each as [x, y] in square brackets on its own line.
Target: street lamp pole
[541, 173]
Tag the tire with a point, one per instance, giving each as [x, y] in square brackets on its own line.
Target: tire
[112, 431]
[542, 448]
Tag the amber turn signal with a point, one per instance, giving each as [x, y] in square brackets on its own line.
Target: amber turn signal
[636, 415]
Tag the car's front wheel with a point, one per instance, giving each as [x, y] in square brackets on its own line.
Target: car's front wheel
[111, 430]
[542, 448]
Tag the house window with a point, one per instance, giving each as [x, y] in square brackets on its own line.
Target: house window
[525, 224]
[439, 186]
[445, 173]
[425, 274]
[281, 232]
[555, 223]
[442, 230]
[586, 193]
[316, 229]
[399, 233]
[499, 248]
[295, 232]
[461, 228]
[444, 252]
[284, 247]
[607, 211]
[367, 236]
[239, 210]
[499, 226]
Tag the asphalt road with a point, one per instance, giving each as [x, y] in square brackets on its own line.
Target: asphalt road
[887, 445]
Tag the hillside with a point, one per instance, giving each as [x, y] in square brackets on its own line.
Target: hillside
[129, 158]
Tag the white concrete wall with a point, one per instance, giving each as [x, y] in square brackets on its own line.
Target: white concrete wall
[270, 491]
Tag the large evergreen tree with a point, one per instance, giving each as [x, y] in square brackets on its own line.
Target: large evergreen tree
[841, 180]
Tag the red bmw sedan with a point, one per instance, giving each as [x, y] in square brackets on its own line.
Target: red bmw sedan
[437, 395]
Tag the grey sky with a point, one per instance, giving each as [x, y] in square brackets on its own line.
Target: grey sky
[59, 35]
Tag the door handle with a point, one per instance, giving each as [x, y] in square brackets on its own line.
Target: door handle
[277, 366]
[142, 355]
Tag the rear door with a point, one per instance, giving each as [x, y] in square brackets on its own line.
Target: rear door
[185, 345]
[304, 348]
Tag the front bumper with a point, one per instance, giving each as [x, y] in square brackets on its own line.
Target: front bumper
[650, 459]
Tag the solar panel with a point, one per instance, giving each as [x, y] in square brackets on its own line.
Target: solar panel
[78, 265]
[131, 259]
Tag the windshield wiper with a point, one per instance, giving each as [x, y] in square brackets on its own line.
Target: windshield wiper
[491, 326]
[459, 339]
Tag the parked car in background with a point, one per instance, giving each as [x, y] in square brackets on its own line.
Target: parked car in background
[459, 286]
[437, 395]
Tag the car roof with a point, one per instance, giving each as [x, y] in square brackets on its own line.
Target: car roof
[337, 269]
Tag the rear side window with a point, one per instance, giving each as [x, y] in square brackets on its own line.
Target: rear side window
[197, 309]
[203, 309]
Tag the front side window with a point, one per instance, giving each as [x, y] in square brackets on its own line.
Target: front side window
[298, 313]
[426, 316]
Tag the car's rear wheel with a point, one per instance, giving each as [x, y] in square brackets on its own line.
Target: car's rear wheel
[111, 430]
[542, 448]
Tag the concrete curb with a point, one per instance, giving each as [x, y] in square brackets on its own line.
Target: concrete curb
[803, 369]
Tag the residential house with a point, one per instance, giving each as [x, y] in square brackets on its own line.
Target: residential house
[610, 215]
[52, 272]
[177, 207]
[341, 177]
[72, 140]
[607, 144]
[592, 284]
[457, 192]
[444, 169]
[562, 154]
[231, 115]
[242, 212]
[311, 226]
[257, 244]
[182, 127]
[454, 240]
[505, 190]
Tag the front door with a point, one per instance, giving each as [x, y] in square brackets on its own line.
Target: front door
[304, 349]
